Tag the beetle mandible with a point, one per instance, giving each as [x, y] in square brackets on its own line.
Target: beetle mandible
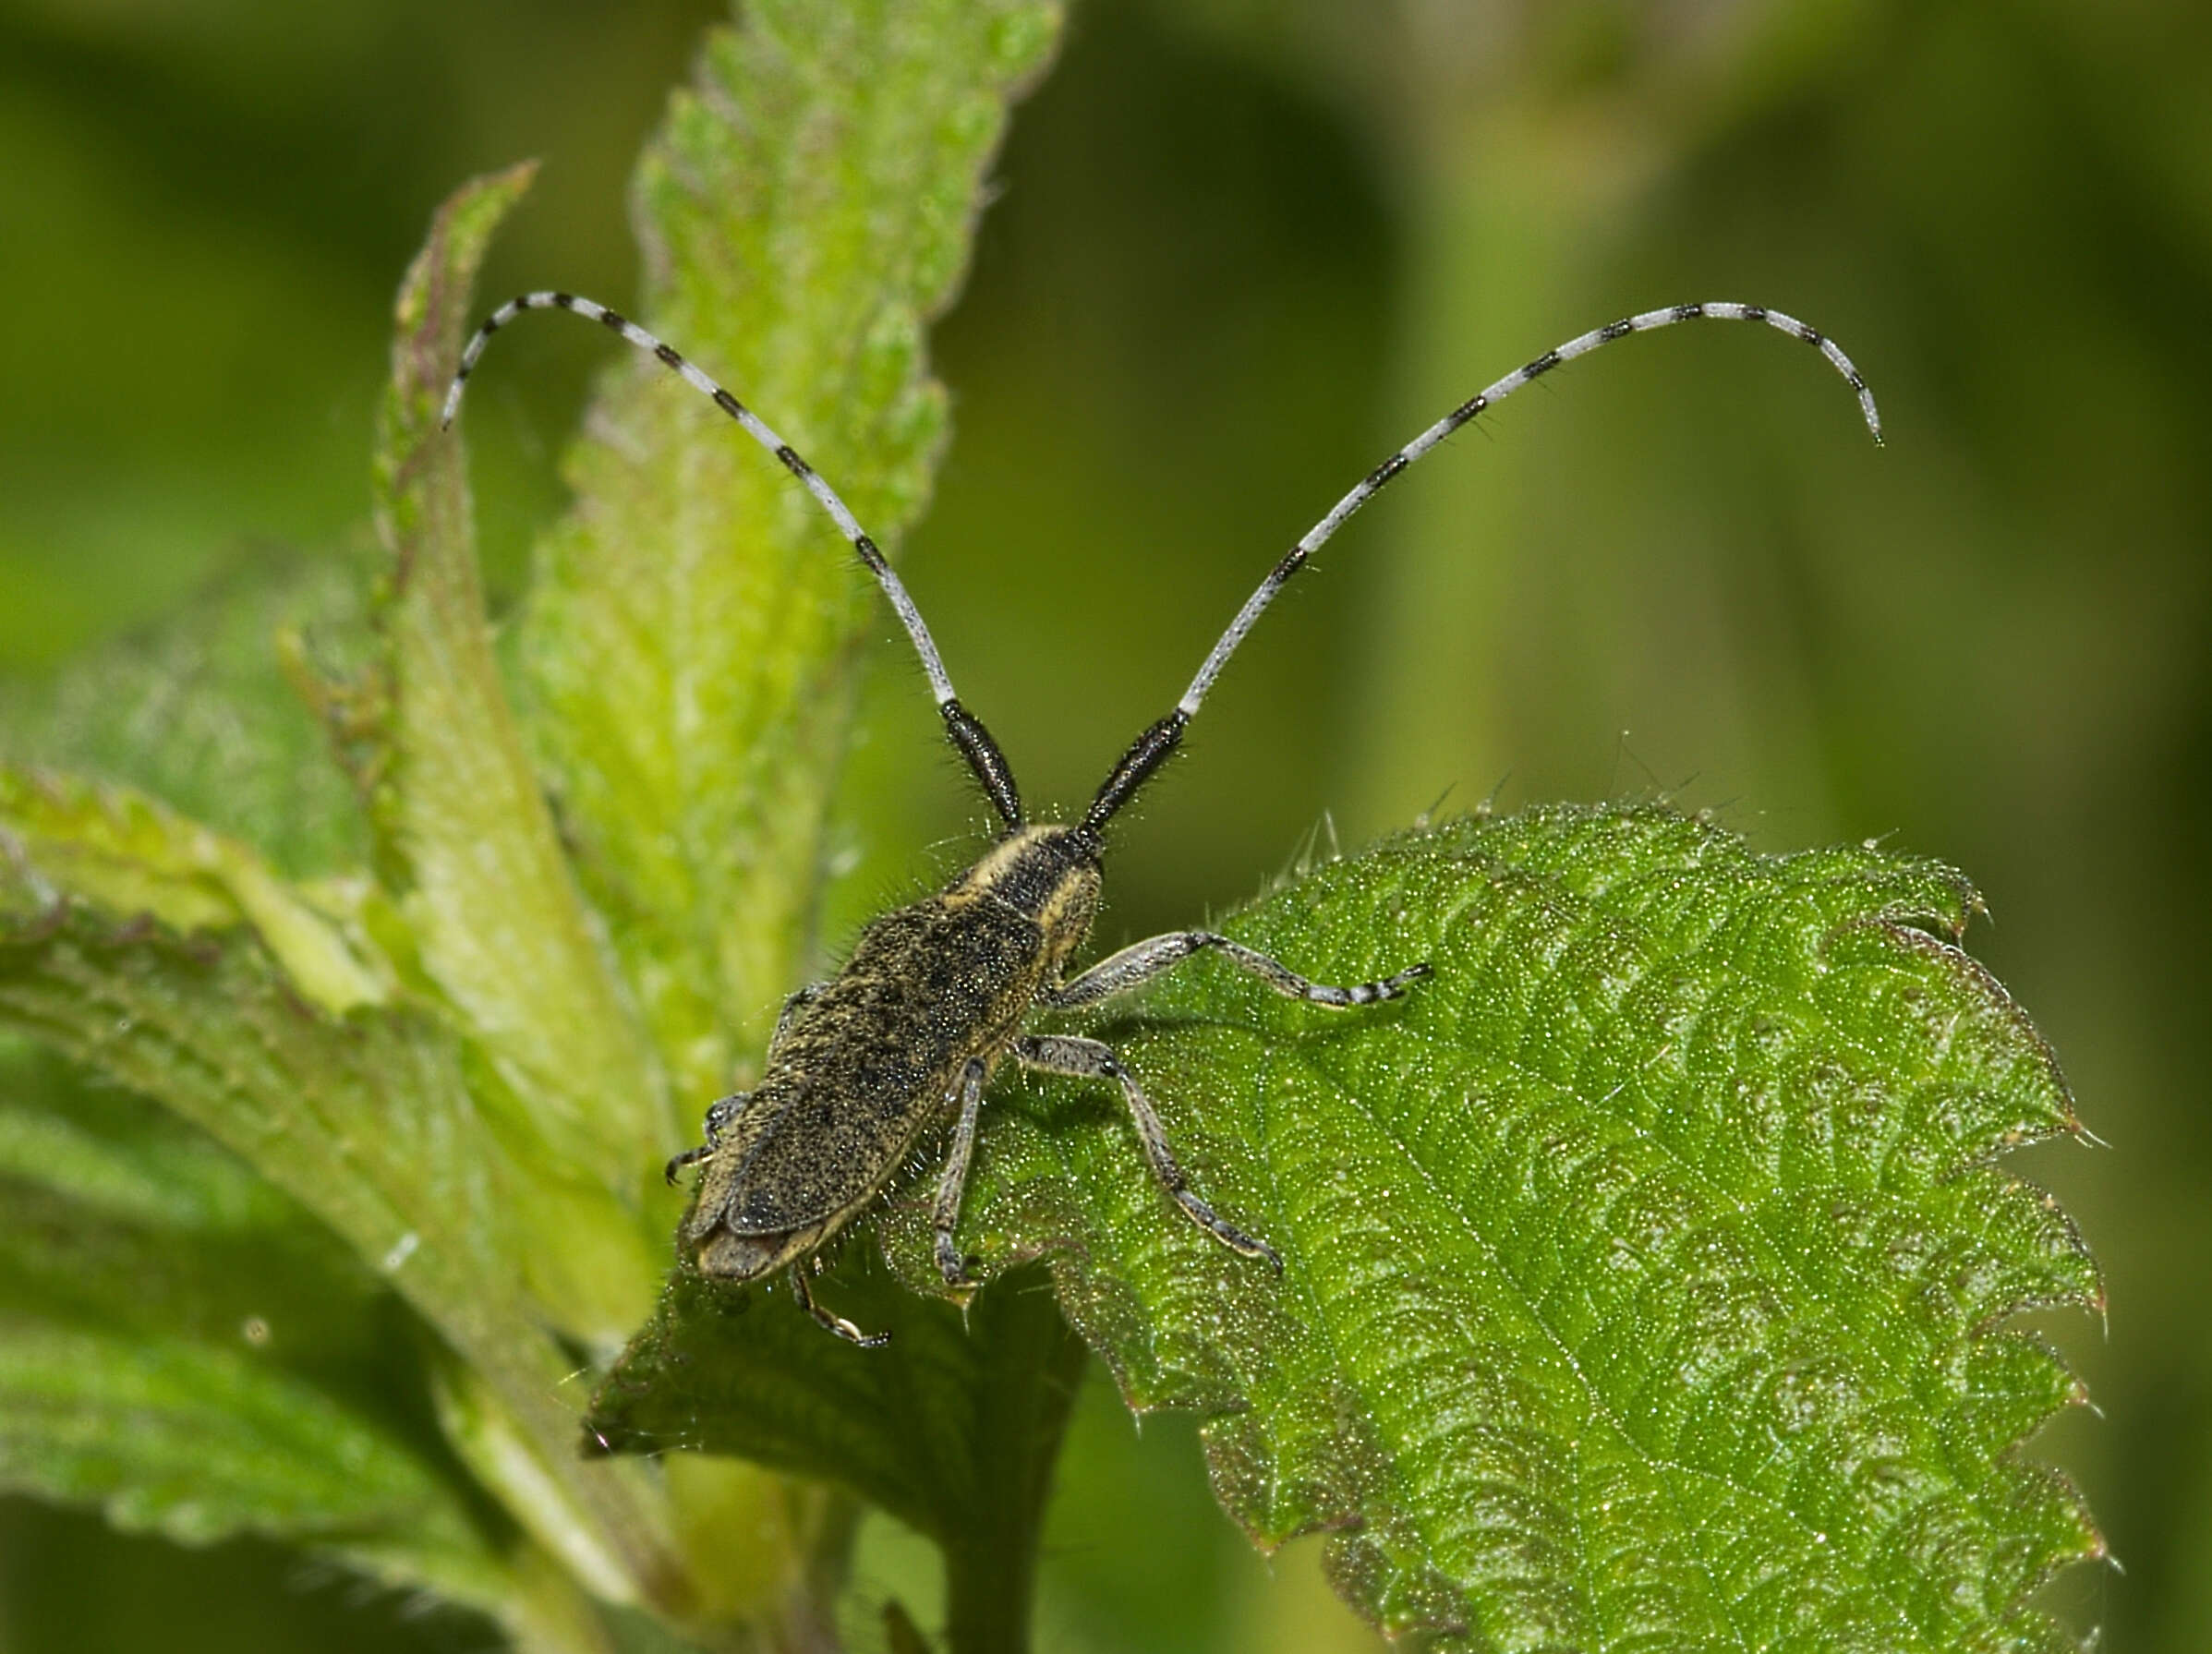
[934, 996]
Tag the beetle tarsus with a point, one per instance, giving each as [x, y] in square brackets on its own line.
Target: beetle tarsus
[828, 1320]
[952, 1264]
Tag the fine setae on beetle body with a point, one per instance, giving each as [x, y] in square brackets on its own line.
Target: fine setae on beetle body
[937, 995]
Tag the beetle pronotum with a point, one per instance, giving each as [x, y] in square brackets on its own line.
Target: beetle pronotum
[934, 995]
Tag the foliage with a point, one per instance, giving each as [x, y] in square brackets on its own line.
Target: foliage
[1643, 1272]
[1646, 1272]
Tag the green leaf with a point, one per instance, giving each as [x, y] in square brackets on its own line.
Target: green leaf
[953, 1428]
[691, 637]
[368, 1121]
[488, 891]
[365, 1121]
[201, 1443]
[198, 711]
[242, 1371]
[581, 1251]
[186, 1348]
[119, 1216]
[131, 854]
[1645, 1271]
[112, 1155]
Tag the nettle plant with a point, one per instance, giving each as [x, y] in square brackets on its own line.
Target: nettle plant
[1644, 1275]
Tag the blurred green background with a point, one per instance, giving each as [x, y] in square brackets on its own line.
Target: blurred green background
[1242, 252]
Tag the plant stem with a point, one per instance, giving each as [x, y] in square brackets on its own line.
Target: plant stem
[1036, 1366]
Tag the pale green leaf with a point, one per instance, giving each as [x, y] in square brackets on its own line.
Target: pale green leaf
[197, 710]
[805, 210]
[487, 890]
[129, 1239]
[111, 1154]
[366, 1121]
[1645, 1270]
[583, 1254]
[131, 854]
[118, 1215]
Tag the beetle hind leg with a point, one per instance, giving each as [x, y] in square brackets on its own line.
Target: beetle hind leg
[828, 1320]
[1065, 1054]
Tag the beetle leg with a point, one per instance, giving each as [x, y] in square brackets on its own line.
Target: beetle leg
[1065, 1054]
[719, 1113]
[796, 1002]
[1141, 961]
[829, 1320]
[955, 1179]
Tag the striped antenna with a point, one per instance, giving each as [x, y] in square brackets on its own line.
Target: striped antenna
[1151, 749]
[967, 733]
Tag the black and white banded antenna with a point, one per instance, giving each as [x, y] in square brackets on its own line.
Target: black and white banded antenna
[1153, 748]
[967, 732]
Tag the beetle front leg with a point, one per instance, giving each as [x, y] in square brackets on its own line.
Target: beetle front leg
[1141, 961]
[946, 1214]
[1067, 1054]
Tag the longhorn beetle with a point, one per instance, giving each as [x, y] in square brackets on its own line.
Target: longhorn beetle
[934, 996]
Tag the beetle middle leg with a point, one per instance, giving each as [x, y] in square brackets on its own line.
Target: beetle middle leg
[1141, 961]
[946, 1214]
[1068, 1053]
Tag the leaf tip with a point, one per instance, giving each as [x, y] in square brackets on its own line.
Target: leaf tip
[427, 314]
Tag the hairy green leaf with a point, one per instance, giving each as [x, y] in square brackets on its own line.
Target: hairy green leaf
[130, 855]
[151, 1168]
[133, 1245]
[1645, 1270]
[121, 1216]
[365, 1122]
[186, 1348]
[201, 1443]
[805, 210]
[488, 891]
[368, 1121]
[133, 855]
[198, 711]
